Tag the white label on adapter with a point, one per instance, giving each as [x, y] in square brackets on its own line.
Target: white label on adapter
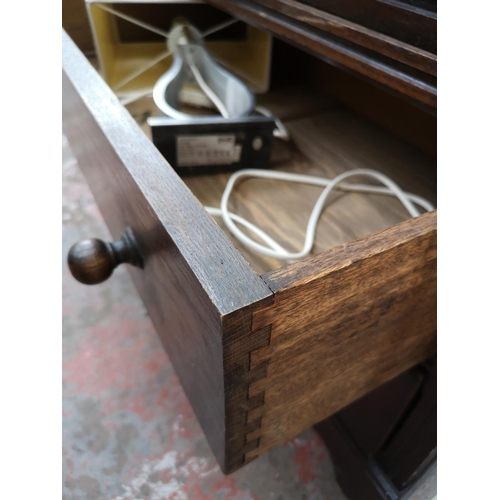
[201, 150]
[237, 153]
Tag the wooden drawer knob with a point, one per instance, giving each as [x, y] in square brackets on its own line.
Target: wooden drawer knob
[93, 261]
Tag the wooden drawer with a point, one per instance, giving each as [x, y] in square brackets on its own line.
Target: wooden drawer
[261, 355]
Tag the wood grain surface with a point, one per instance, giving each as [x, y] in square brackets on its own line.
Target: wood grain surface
[193, 276]
[327, 139]
[401, 118]
[344, 322]
[414, 22]
[413, 447]
[357, 33]
[359, 478]
[402, 79]
[372, 419]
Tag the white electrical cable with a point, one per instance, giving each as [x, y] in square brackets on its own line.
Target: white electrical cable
[256, 230]
[205, 87]
[281, 132]
[274, 249]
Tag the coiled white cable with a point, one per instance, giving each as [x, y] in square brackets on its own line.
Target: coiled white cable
[273, 248]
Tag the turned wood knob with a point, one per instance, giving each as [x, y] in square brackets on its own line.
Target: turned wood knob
[93, 261]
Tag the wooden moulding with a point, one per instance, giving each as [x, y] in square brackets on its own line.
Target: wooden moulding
[260, 358]
[408, 72]
[365, 37]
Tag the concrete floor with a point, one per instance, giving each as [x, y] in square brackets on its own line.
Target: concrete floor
[128, 429]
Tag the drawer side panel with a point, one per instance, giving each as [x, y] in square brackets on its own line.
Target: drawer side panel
[342, 323]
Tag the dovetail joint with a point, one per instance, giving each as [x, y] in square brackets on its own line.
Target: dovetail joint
[258, 365]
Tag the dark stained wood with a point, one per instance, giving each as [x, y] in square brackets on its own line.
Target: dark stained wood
[400, 78]
[394, 467]
[76, 23]
[360, 479]
[401, 118]
[149, 175]
[371, 419]
[415, 25]
[93, 261]
[356, 33]
[194, 282]
[344, 322]
[414, 446]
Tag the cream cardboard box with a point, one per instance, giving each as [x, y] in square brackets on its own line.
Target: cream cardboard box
[130, 40]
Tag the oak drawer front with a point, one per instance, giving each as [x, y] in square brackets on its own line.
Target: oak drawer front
[193, 276]
[260, 357]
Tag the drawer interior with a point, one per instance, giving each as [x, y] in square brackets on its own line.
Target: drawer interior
[336, 123]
